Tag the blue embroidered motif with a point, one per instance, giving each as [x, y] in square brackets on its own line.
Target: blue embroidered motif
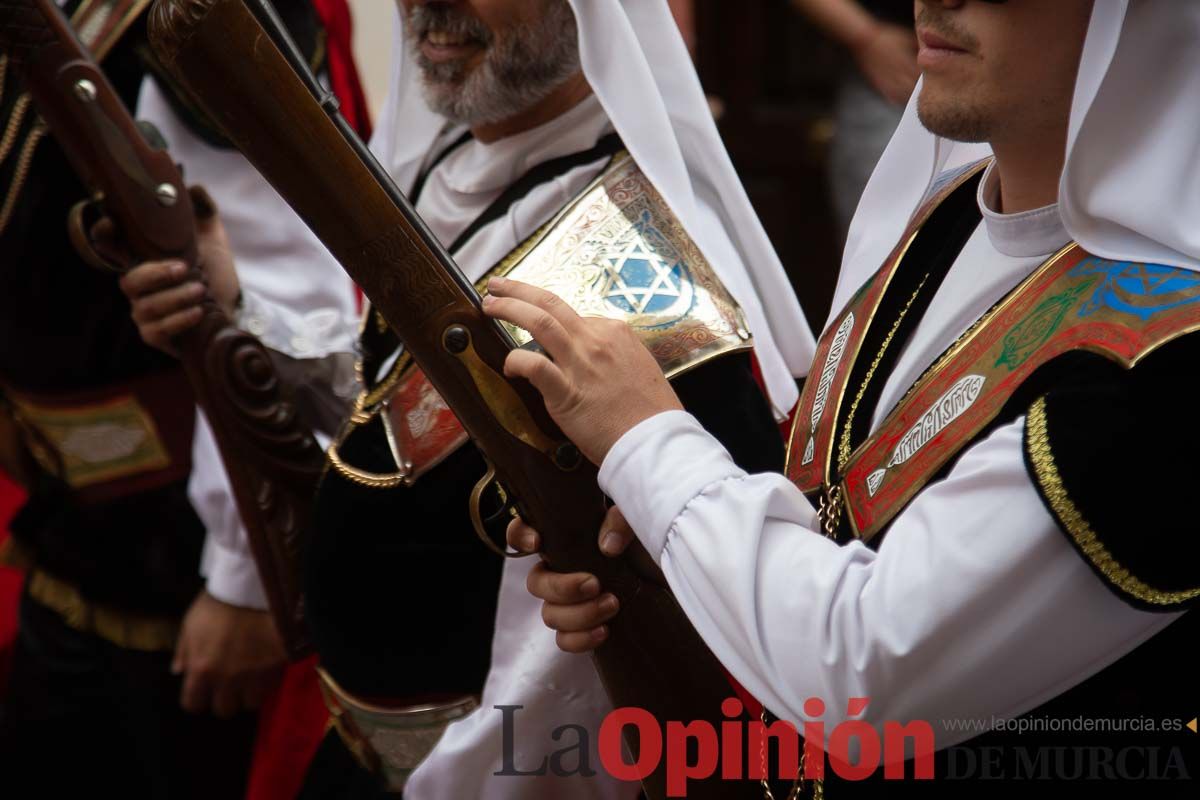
[1141, 290]
[644, 275]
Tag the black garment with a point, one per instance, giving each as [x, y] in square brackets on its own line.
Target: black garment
[402, 595]
[1127, 466]
[81, 711]
[85, 718]
[64, 328]
[383, 561]
[333, 774]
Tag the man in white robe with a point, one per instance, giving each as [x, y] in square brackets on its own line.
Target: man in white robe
[1014, 576]
[628, 73]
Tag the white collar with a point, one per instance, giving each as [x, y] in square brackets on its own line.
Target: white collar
[1038, 232]
[480, 168]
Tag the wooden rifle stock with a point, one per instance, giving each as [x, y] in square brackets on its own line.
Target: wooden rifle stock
[272, 460]
[240, 67]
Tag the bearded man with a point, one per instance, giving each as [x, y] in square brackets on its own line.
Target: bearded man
[569, 143]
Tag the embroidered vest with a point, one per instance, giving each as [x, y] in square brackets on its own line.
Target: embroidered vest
[1074, 301]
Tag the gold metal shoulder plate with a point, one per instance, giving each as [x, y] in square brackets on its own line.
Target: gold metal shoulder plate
[618, 251]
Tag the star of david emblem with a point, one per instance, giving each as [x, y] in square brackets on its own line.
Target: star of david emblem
[638, 280]
[643, 274]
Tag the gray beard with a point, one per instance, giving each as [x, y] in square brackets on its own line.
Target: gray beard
[516, 73]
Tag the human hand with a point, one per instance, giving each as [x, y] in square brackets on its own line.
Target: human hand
[572, 604]
[165, 300]
[887, 58]
[229, 657]
[602, 380]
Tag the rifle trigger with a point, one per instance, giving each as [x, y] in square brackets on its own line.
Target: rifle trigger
[80, 222]
[507, 510]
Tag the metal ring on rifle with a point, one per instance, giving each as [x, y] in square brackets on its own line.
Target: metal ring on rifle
[79, 232]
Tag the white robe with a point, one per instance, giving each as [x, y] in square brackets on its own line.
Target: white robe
[527, 669]
[976, 608]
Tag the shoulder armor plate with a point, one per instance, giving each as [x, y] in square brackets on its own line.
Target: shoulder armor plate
[616, 251]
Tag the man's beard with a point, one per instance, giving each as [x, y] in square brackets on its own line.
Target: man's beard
[518, 70]
[958, 120]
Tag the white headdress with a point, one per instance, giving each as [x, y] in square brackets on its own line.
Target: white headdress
[636, 63]
[1130, 187]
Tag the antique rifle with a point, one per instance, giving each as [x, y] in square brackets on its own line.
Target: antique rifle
[239, 65]
[273, 461]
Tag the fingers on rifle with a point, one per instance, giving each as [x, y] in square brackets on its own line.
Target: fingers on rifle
[539, 298]
[615, 533]
[543, 373]
[523, 538]
[554, 587]
[203, 205]
[542, 325]
[580, 617]
[160, 333]
[153, 276]
[581, 642]
[162, 304]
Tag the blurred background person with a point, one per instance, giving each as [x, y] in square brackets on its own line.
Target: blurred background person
[871, 95]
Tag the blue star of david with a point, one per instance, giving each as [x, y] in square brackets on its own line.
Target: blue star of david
[638, 280]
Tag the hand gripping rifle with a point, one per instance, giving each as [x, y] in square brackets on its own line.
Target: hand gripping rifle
[237, 62]
[272, 461]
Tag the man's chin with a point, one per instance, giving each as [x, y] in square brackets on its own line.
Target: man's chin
[950, 118]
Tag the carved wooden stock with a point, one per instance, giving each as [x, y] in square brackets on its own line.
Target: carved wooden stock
[273, 461]
[237, 63]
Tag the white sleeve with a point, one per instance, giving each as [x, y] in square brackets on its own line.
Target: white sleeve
[975, 607]
[227, 563]
[295, 298]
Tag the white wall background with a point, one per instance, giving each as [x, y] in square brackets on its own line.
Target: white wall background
[373, 21]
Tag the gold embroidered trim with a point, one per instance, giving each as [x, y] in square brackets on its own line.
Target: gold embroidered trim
[127, 630]
[24, 162]
[371, 480]
[844, 448]
[14, 126]
[1069, 516]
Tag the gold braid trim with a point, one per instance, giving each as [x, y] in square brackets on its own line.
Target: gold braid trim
[125, 629]
[1038, 444]
[844, 445]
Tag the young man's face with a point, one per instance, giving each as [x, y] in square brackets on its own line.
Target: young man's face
[484, 60]
[995, 67]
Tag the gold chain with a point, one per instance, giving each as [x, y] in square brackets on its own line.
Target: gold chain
[844, 443]
[830, 511]
[798, 784]
[14, 126]
[24, 162]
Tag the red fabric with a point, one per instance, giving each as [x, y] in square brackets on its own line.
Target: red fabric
[291, 725]
[292, 722]
[343, 72]
[11, 498]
